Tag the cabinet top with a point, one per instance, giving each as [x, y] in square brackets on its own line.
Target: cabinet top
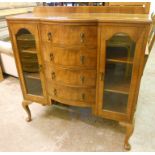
[85, 17]
[80, 16]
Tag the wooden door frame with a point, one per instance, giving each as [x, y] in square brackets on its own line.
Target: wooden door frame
[138, 38]
[32, 27]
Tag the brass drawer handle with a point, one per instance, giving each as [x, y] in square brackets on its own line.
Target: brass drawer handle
[81, 37]
[49, 36]
[82, 58]
[83, 96]
[51, 57]
[55, 92]
[53, 75]
[82, 78]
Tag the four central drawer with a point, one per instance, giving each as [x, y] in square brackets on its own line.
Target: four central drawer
[74, 77]
[70, 35]
[82, 57]
[70, 57]
[71, 93]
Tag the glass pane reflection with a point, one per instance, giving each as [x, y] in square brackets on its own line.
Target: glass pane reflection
[118, 71]
[29, 60]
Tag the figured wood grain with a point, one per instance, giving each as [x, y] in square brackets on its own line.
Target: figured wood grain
[14, 28]
[66, 54]
[73, 77]
[72, 94]
[133, 105]
[136, 33]
[76, 57]
[72, 45]
[87, 18]
[74, 35]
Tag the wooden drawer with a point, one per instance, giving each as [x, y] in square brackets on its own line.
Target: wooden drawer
[70, 35]
[85, 95]
[69, 57]
[81, 78]
[50, 33]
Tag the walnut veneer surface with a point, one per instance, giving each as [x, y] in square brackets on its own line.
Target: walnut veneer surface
[72, 58]
[100, 17]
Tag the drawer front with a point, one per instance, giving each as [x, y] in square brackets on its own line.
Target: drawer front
[85, 95]
[82, 78]
[49, 33]
[70, 35]
[71, 57]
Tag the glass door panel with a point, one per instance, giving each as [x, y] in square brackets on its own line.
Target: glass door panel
[118, 71]
[29, 61]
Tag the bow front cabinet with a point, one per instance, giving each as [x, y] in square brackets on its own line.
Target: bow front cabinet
[82, 59]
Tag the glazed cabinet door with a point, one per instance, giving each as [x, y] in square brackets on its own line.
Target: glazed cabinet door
[25, 39]
[118, 69]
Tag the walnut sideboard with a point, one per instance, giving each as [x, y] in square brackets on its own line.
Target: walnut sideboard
[87, 59]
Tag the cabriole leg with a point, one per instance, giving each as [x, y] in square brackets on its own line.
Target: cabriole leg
[129, 130]
[26, 108]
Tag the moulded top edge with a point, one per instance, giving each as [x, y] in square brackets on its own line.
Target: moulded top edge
[84, 17]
